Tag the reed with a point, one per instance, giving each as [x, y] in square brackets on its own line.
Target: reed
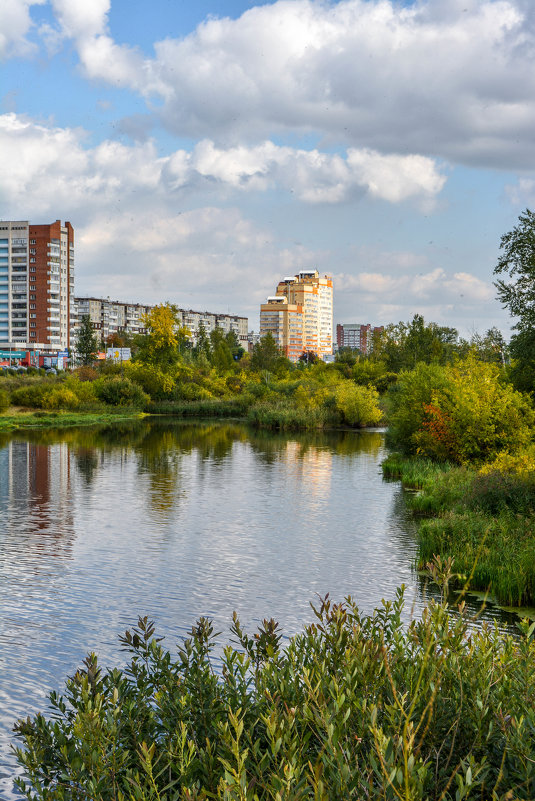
[484, 521]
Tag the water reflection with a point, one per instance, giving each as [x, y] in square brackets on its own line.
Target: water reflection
[177, 520]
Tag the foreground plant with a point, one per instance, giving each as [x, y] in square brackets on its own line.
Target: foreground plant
[354, 707]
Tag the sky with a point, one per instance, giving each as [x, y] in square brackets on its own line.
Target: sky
[204, 150]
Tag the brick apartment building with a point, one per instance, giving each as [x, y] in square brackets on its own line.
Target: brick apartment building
[36, 284]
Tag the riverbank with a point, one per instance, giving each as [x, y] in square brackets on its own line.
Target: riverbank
[23, 419]
[483, 519]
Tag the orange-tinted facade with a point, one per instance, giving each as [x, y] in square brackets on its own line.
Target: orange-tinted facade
[300, 315]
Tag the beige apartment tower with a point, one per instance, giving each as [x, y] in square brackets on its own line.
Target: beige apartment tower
[300, 315]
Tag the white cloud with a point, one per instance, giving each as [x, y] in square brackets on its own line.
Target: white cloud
[522, 193]
[53, 166]
[438, 295]
[155, 228]
[449, 79]
[15, 25]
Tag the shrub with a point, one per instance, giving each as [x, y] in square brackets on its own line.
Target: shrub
[462, 413]
[354, 707]
[358, 405]
[61, 398]
[117, 391]
[31, 396]
[86, 373]
[4, 401]
[190, 391]
[154, 381]
[495, 491]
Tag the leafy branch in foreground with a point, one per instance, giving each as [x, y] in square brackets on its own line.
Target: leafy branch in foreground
[353, 707]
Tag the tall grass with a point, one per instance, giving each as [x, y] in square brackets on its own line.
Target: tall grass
[484, 521]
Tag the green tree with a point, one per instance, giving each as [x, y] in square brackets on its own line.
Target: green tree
[86, 342]
[202, 350]
[221, 356]
[266, 355]
[233, 342]
[517, 260]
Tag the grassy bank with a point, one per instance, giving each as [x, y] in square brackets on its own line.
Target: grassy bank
[353, 707]
[12, 421]
[484, 520]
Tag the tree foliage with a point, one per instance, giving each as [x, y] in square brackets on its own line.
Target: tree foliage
[86, 345]
[459, 413]
[165, 339]
[517, 261]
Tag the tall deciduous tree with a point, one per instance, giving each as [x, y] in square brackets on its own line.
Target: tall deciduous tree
[161, 345]
[517, 260]
[266, 354]
[86, 344]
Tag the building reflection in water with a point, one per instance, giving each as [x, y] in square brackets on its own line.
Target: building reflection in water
[35, 497]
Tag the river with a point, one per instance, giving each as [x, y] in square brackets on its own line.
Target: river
[177, 520]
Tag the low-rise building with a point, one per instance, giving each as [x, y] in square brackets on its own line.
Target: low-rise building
[110, 317]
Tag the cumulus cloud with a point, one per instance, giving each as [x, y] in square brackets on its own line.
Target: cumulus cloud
[202, 258]
[54, 165]
[15, 25]
[450, 79]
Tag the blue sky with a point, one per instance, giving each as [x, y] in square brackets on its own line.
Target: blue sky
[203, 150]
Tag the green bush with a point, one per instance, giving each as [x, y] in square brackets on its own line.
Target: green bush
[116, 391]
[496, 491]
[354, 707]
[4, 401]
[358, 405]
[460, 413]
[61, 398]
[31, 396]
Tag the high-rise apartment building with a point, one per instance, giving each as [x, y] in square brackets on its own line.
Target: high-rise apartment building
[300, 315]
[356, 336]
[36, 284]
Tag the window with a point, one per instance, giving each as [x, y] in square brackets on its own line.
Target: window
[32, 305]
[33, 316]
[32, 269]
[32, 242]
[32, 259]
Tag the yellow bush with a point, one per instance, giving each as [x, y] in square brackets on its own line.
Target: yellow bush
[358, 405]
[522, 462]
[61, 398]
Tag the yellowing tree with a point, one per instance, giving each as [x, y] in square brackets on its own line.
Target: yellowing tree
[161, 345]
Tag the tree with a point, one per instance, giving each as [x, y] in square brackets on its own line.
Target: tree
[266, 354]
[518, 262]
[86, 342]
[165, 338]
